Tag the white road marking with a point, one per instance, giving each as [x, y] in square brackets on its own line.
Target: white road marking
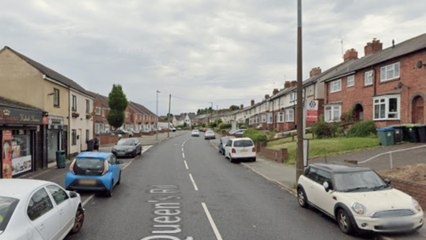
[87, 200]
[212, 224]
[186, 165]
[193, 182]
[183, 155]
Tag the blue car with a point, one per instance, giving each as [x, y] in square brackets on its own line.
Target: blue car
[95, 171]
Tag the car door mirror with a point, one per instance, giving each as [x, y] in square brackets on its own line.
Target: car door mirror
[73, 194]
[326, 186]
[388, 182]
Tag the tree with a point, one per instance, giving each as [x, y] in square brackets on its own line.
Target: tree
[117, 102]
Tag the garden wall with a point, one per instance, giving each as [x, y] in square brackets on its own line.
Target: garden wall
[276, 155]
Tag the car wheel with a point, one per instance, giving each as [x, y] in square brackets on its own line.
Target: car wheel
[253, 159]
[344, 221]
[119, 179]
[78, 221]
[301, 197]
[108, 192]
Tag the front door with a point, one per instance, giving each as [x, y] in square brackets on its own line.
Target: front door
[417, 111]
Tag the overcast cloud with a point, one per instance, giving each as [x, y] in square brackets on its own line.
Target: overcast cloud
[202, 52]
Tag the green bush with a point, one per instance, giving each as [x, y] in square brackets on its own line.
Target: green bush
[225, 126]
[362, 129]
[324, 130]
[255, 135]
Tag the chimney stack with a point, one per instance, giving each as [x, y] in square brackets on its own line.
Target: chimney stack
[373, 47]
[275, 91]
[350, 54]
[315, 72]
[252, 103]
[266, 96]
[241, 106]
[293, 83]
[287, 84]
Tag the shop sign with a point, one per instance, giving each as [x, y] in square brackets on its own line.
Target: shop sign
[56, 122]
[19, 116]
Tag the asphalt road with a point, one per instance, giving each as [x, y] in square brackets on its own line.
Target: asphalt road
[183, 189]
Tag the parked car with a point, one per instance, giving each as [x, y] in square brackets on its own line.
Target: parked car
[36, 209]
[358, 199]
[95, 171]
[238, 149]
[209, 134]
[195, 133]
[127, 147]
[238, 132]
[222, 142]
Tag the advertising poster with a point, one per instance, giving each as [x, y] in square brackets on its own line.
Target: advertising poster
[15, 158]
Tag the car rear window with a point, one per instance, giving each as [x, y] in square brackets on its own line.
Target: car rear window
[126, 142]
[88, 165]
[243, 143]
[7, 206]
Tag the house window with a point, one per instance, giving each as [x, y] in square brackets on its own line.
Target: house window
[389, 72]
[74, 137]
[386, 107]
[74, 103]
[56, 97]
[270, 118]
[336, 86]
[350, 81]
[332, 113]
[87, 106]
[368, 78]
[263, 118]
[280, 117]
[289, 115]
[98, 111]
[293, 96]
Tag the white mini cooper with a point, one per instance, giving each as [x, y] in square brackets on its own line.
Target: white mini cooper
[358, 199]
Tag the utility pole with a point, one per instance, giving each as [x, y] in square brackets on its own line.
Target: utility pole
[168, 117]
[156, 127]
[299, 163]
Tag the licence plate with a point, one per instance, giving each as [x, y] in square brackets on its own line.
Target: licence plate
[87, 182]
[243, 150]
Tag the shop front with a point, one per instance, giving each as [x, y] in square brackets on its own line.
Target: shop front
[20, 127]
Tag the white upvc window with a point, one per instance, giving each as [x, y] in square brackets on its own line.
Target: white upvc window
[293, 96]
[280, 117]
[333, 113]
[289, 115]
[368, 78]
[263, 118]
[270, 118]
[350, 81]
[386, 107]
[389, 72]
[98, 111]
[336, 86]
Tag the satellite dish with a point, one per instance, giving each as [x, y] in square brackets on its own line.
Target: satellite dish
[419, 64]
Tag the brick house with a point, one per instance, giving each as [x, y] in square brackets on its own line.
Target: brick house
[386, 85]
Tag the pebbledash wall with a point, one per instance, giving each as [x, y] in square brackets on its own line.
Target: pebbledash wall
[416, 190]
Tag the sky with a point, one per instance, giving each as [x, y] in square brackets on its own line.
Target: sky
[204, 53]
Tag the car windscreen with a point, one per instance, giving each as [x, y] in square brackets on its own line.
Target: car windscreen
[243, 143]
[7, 206]
[126, 142]
[358, 181]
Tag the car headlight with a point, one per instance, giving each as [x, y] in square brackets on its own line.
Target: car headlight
[416, 205]
[358, 208]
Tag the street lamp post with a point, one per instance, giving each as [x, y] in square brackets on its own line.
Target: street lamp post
[156, 127]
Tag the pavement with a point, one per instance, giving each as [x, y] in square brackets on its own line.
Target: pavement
[377, 158]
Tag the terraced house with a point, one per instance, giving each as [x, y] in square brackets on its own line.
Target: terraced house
[66, 122]
[385, 85]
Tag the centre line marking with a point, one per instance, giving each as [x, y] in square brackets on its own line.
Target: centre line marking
[193, 182]
[186, 165]
[183, 155]
[209, 216]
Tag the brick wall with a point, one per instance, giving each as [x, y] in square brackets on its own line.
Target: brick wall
[276, 155]
[416, 190]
